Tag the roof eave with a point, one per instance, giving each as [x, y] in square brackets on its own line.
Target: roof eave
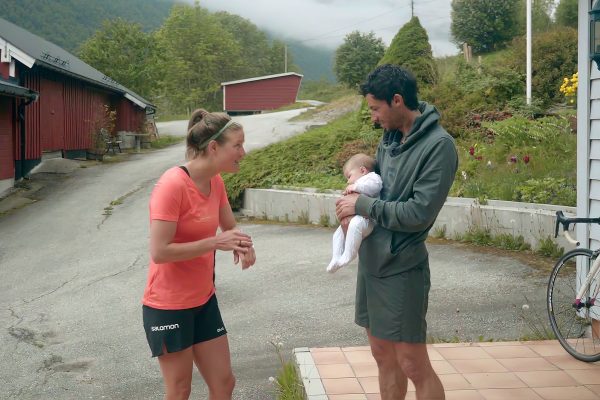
[260, 78]
[19, 92]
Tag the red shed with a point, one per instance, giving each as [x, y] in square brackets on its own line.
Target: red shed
[73, 97]
[261, 93]
[12, 98]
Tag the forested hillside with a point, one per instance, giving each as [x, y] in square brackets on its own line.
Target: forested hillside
[315, 63]
[68, 23]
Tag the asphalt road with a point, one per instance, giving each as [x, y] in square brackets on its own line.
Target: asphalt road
[260, 129]
[73, 275]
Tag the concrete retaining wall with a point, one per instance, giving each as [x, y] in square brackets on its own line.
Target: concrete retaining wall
[459, 215]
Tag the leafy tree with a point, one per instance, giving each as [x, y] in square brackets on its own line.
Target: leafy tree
[357, 56]
[254, 45]
[486, 25]
[566, 13]
[540, 15]
[410, 48]
[198, 54]
[122, 51]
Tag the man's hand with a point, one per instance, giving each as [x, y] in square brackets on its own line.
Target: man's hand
[346, 206]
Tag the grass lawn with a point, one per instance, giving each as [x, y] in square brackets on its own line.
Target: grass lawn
[515, 159]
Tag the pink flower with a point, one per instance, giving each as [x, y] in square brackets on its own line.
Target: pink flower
[513, 159]
[471, 150]
[526, 159]
[479, 158]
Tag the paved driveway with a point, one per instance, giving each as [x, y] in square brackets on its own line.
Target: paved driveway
[260, 129]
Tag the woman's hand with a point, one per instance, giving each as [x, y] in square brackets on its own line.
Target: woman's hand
[233, 239]
[248, 259]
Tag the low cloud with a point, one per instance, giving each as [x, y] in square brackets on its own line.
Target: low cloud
[325, 23]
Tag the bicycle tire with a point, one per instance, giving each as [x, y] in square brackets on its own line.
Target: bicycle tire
[572, 326]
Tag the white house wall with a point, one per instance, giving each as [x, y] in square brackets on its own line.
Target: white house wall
[591, 168]
[595, 170]
[588, 130]
[595, 129]
[588, 137]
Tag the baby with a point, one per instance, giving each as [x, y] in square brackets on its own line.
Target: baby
[361, 179]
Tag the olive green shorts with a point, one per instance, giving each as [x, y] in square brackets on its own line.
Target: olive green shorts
[394, 307]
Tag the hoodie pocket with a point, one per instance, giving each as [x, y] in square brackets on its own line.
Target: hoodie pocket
[375, 254]
[385, 253]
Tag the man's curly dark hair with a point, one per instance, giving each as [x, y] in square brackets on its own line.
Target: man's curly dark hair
[387, 80]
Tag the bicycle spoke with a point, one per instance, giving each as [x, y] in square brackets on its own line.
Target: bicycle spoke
[573, 326]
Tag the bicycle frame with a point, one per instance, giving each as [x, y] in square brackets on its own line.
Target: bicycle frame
[591, 274]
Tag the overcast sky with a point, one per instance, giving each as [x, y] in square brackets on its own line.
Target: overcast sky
[325, 23]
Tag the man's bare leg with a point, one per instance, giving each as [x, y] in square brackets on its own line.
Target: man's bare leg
[392, 381]
[414, 362]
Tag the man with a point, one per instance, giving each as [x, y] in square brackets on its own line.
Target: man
[417, 160]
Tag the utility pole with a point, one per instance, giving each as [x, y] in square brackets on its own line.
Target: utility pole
[285, 57]
[412, 8]
[528, 95]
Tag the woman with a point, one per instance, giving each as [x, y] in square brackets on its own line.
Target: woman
[180, 309]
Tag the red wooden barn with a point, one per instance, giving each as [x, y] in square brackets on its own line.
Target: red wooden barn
[72, 97]
[13, 99]
[260, 93]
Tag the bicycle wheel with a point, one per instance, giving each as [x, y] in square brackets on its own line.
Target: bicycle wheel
[576, 326]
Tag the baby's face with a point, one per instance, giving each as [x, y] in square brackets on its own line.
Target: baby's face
[353, 174]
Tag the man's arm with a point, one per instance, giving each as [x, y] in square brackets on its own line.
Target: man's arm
[430, 192]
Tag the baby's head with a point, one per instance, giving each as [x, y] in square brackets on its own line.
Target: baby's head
[358, 165]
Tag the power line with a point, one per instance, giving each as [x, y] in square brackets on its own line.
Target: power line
[395, 26]
[333, 34]
[324, 35]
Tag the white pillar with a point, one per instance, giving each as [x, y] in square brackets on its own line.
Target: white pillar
[528, 97]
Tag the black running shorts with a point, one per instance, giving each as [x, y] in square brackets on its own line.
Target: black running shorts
[177, 330]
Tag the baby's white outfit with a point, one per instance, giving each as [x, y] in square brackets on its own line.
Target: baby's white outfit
[346, 249]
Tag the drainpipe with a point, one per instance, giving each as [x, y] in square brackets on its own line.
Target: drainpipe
[21, 115]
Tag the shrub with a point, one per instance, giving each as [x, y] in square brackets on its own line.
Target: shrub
[547, 191]
[472, 90]
[554, 57]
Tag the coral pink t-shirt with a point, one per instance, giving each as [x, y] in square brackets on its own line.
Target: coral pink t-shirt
[184, 284]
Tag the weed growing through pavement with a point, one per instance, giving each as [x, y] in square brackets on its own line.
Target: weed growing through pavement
[288, 385]
[548, 248]
[537, 326]
[439, 232]
[303, 218]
